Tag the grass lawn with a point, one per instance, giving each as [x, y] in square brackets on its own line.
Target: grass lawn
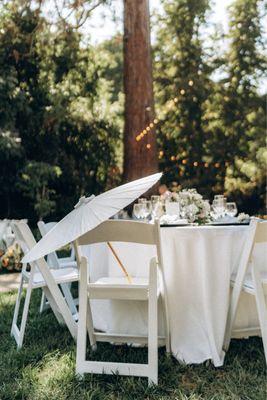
[44, 369]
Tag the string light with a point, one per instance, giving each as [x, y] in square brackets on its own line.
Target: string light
[151, 125]
[169, 105]
[193, 163]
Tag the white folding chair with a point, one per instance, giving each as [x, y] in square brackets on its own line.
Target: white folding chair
[3, 227]
[119, 288]
[252, 281]
[59, 262]
[42, 276]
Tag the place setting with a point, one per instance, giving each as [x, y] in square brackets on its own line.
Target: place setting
[188, 208]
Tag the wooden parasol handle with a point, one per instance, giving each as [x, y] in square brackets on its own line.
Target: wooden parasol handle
[120, 263]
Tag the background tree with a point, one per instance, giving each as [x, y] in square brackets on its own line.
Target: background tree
[183, 75]
[140, 157]
[244, 104]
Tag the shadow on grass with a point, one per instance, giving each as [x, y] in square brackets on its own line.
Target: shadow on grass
[45, 367]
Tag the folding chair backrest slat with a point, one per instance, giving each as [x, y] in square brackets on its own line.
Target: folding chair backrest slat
[24, 235]
[261, 232]
[52, 258]
[121, 231]
[27, 241]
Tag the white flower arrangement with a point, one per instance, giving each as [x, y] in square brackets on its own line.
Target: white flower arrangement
[192, 205]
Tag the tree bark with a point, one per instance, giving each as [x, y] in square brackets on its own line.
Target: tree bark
[140, 157]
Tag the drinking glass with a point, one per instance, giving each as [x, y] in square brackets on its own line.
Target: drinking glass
[231, 209]
[137, 210]
[218, 207]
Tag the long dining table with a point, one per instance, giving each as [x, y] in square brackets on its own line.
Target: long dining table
[198, 262]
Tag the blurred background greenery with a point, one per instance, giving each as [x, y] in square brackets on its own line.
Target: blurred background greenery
[61, 107]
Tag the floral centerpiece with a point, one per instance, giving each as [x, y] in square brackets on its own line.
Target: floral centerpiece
[10, 258]
[192, 205]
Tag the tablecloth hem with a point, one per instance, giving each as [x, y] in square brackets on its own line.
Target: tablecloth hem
[218, 363]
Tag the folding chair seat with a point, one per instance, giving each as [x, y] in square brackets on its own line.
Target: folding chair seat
[59, 262]
[40, 275]
[252, 280]
[119, 288]
[68, 274]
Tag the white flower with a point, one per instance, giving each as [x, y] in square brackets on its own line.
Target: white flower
[192, 209]
[242, 217]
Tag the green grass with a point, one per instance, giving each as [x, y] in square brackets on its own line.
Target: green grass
[44, 369]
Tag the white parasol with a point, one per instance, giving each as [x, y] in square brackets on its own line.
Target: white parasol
[88, 213]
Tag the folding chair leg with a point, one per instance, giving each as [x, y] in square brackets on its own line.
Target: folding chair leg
[234, 300]
[82, 322]
[261, 306]
[153, 325]
[90, 327]
[44, 305]
[68, 297]
[59, 300]
[16, 311]
[17, 332]
[53, 305]
[25, 314]
[166, 325]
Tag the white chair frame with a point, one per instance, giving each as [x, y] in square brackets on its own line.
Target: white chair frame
[132, 232]
[256, 287]
[56, 262]
[50, 284]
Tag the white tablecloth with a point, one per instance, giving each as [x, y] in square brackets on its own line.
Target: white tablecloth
[198, 263]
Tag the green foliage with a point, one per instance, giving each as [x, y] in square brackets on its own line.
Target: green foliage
[50, 97]
[214, 137]
[243, 109]
[11, 160]
[34, 182]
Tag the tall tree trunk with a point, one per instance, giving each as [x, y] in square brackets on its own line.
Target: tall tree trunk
[140, 157]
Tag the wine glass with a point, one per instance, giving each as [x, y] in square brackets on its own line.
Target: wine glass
[146, 209]
[157, 209]
[231, 209]
[137, 210]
